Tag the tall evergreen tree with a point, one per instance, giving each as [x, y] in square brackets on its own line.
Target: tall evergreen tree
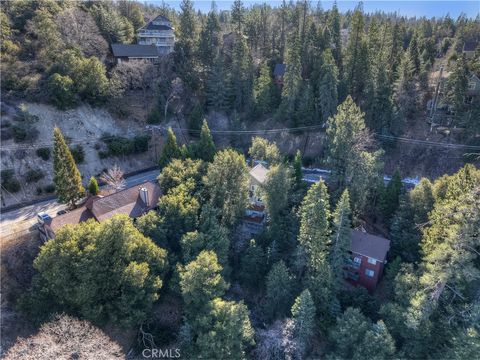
[356, 57]
[264, 90]
[333, 26]
[457, 88]
[205, 148]
[279, 287]
[328, 93]
[276, 190]
[238, 15]
[405, 94]
[342, 228]
[314, 236]
[352, 165]
[292, 80]
[66, 177]
[303, 313]
[209, 44]
[216, 95]
[93, 188]
[170, 150]
[241, 76]
[297, 168]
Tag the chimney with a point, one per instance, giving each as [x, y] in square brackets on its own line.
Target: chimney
[143, 193]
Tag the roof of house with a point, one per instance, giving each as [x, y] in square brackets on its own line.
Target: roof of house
[470, 46]
[127, 201]
[279, 69]
[366, 244]
[151, 26]
[259, 173]
[73, 217]
[135, 50]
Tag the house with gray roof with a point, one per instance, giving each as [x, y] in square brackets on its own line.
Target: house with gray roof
[127, 52]
[134, 202]
[158, 32]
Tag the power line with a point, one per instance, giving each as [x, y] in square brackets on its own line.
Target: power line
[244, 132]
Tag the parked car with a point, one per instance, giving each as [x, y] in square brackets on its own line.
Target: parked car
[42, 217]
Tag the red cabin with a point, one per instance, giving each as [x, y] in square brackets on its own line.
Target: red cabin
[368, 257]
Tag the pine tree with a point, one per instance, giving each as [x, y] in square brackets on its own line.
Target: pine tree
[314, 235]
[305, 113]
[328, 93]
[264, 90]
[215, 85]
[405, 93]
[170, 150]
[93, 188]
[413, 53]
[253, 266]
[342, 229]
[297, 168]
[333, 26]
[276, 191]
[209, 45]
[279, 290]
[356, 56]
[352, 166]
[457, 88]
[390, 198]
[205, 148]
[238, 15]
[292, 81]
[303, 313]
[66, 177]
[241, 76]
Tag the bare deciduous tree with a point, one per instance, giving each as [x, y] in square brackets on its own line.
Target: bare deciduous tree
[134, 75]
[66, 338]
[114, 178]
[175, 91]
[79, 30]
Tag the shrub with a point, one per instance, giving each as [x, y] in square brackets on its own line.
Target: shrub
[9, 181]
[49, 189]
[140, 143]
[44, 153]
[118, 146]
[39, 190]
[93, 188]
[34, 175]
[155, 116]
[61, 91]
[24, 132]
[78, 154]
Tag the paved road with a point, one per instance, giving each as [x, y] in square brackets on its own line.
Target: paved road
[24, 219]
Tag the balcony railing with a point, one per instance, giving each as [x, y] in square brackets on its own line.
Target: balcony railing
[352, 263]
[352, 276]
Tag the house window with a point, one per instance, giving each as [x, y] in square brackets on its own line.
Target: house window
[372, 261]
[252, 187]
[471, 85]
[357, 260]
[369, 273]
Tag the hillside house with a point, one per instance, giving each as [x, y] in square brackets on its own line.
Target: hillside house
[469, 49]
[135, 52]
[473, 89]
[255, 212]
[368, 258]
[134, 202]
[158, 32]
[279, 73]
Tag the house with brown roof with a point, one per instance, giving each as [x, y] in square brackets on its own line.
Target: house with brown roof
[134, 202]
[368, 258]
